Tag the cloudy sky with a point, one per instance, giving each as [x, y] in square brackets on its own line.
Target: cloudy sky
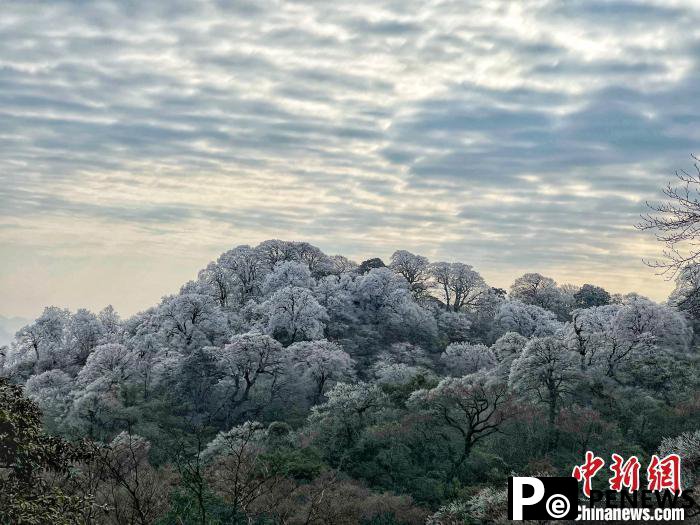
[138, 140]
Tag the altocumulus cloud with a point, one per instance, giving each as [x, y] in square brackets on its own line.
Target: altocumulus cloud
[140, 139]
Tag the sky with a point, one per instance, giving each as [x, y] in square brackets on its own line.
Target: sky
[139, 140]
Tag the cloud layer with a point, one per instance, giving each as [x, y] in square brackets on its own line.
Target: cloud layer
[138, 140]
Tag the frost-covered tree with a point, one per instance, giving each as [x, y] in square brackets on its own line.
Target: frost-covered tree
[135, 491]
[191, 320]
[525, 319]
[111, 362]
[335, 294]
[687, 446]
[293, 314]
[370, 264]
[51, 390]
[287, 273]
[508, 347]
[453, 326]
[384, 303]
[275, 251]
[535, 288]
[112, 325]
[340, 265]
[251, 368]
[246, 269]
[350, 408]
[545, 372]
[322, 364]
[220, 282]
[43, 341]
[610, 337]
[83, 333]
[406, 353]
[686, 294]
[461, 359]
[468, 409]
[458, 285]
[414, 268]
[318, 263]
[236, 467]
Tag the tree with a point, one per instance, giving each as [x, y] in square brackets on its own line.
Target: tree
[414, 268]
[459, 285]
[191, 320]
[590, 295]
[610, 337]
[83, 333]
[525, 319]
[406, 353]
[340, 421]
[111, 362]
[44, 340]
[461, 359]
[322, 363]
[220, 281]
[468, 409]
[51, 390]
[686, 295]
[676, 222]
[384, 303]
[247, 362]
[507, 348]
[370, 264]
[246, 267]
[340, 265]
[293, 314]
[237, 469]
[687, 446]
[135, 491]
[545, 372]
[287, 273]
[29, 460]
[112, 325]
[538, 290]
[335, 294]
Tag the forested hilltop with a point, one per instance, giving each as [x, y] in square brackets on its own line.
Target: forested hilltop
[286, 386]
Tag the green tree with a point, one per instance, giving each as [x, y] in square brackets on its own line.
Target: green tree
[33, 466]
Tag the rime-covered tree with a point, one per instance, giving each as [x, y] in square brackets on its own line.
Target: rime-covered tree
[191, 320]
[468, 409]
[322, 364]
[251, 368]
[525, 319]
[414, 268]
[458, 285]
[538, 290]
[545, 372]
[287, 273]
[84, 332]
[350, 408]
[508, 347]
[461, 359]
[293, 314]
[246, 269]
[43, 341]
